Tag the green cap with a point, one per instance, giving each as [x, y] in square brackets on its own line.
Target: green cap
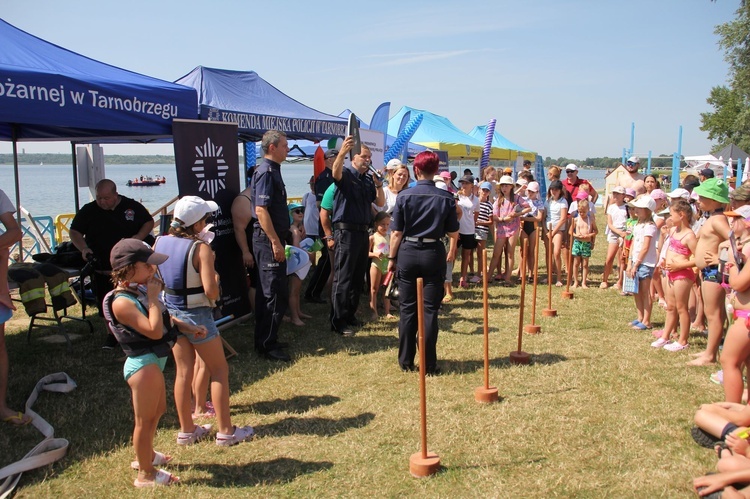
[714, 188]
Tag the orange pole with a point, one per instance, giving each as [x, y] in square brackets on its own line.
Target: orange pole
[549, 269]
[536, 272]
[422, 367]
[523, 292]
[486, 322]
[570, 255]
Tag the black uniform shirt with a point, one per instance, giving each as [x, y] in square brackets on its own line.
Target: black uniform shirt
[425, 211]
[353, 198]
[268, 190]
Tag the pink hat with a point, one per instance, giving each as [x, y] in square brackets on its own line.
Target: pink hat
[630, 192]
[581, 195]
[445, 174]
[658, 194]
[533, 187]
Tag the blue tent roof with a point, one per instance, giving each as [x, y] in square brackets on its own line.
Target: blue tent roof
[256, 106]
[49, 92]
[434, 128]
[480, 132]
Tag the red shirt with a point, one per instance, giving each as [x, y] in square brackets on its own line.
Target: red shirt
[573, 188]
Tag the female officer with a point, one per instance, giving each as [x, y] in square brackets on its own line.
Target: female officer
[422, 215]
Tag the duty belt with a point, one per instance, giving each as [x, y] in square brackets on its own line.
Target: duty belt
[346, 226]
[420, 239]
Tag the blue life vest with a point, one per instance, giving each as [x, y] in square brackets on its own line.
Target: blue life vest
[183, 288]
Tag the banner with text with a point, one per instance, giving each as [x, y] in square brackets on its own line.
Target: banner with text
[256, 125]
[208, 166]
[376, 142]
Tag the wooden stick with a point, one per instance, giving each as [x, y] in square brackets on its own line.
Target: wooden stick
[523, 293]
[486, 306]
[570, 255]
[549, 270]
[422, 367]
[538, 242]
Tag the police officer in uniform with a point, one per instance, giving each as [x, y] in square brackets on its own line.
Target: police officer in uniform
[352, 215]
[422, 216]
[270, 234]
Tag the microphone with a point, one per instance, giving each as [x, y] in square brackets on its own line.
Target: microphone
[375, 171]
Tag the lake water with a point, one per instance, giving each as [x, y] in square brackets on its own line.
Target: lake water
[48, 189]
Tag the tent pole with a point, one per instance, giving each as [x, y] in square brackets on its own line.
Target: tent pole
[75, 175]
[17, 185]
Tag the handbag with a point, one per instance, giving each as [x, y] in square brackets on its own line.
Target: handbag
[391, 291]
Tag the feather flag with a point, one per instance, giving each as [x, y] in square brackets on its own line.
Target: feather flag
[319, 162]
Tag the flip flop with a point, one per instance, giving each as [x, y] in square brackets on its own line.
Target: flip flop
[635, 322]
[160, 459]
[641, 326]
[17, 419]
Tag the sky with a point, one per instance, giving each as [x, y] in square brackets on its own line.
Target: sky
[561, 77]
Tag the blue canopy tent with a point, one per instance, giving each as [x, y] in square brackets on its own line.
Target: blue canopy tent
[480, 132]
[437, 132]
[50, 93]
[256, 106]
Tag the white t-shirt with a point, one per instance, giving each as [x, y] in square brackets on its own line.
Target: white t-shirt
[554, 210]
[312, 215]
[619, 216]
[390, 201]
[640, 232]
[469, 205]
[6, 206]
[573, 210]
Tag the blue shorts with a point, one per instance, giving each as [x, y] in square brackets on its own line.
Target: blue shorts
[644, 272]
[135, 364]
[202, 316]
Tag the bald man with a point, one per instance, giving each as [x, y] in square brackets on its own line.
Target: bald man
[100, 224]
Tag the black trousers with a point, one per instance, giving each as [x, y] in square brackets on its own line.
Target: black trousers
[425, 260]
[349, 266]
[271, 294]
[102, 285]
[320, 275]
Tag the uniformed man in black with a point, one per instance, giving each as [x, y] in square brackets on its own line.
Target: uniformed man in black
[352, 215]
[319, 277]
[422, 216]
[270, 234]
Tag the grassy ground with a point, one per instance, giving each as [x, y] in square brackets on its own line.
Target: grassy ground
[598, 413]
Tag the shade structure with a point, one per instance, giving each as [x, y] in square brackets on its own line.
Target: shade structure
[437, 132]
[243, 97]
[51, 93]
[480, 132]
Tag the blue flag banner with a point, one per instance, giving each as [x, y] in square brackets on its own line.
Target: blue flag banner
[444, 165]
[540, 176]
[250, 159]
[379, 121]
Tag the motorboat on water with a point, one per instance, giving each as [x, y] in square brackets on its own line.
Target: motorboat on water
[146, 181]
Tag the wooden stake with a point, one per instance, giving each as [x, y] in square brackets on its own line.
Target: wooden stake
[422, 463]
[486, 393]
[535, 328]
[567, 294]
[549, 311]
[518, 356]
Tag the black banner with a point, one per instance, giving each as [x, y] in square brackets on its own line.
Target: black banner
[208, 166]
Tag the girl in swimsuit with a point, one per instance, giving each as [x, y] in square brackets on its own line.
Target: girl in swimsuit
[737, 343]
[379, 247]
[680, 276]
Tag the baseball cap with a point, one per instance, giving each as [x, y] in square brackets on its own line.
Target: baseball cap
[533, 187]
[691, 183]
[630, 192]
[571, 167]
[486, 185]
[618, 190]
[707, 172]
[634, 159]
[658, 194]
[331, 153]
[466, 179]
[129, 251]
[581, 195]
[508, 171]
[679, 193]
[714, 188]
[293, 206]
[394, 164]
[506, 179]
[190, 209]
[446, 175]
[741, 212]
[526, 162]
[643, 201]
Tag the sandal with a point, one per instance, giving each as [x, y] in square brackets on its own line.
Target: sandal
[210, 412]
[160, 459]
[199, 433]
[241, 434]
[675, 346]
[161, 478]
[659, 343]
[641, 326]
[17, 419]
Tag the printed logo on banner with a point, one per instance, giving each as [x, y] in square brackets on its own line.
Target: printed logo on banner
[213, 114]
[210, 168]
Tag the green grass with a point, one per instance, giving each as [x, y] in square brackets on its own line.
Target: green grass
[598, 413]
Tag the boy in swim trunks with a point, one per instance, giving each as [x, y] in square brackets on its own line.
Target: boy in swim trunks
[584, 232]
[713, 194]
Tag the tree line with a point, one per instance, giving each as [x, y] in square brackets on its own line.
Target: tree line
[661, 161]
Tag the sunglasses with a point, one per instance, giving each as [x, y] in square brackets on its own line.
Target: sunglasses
[298, 211]
[569, 172]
